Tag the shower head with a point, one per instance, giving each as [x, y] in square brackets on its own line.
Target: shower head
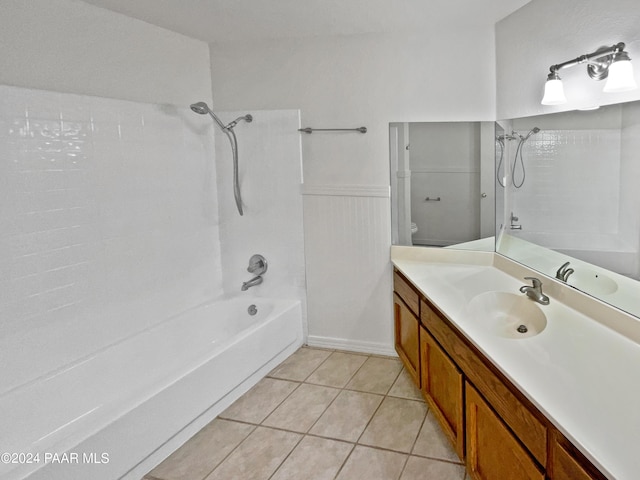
[200, 107]
[247, 118]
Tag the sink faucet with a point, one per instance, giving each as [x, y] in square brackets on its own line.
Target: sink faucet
[251, 283]
[534, 292]
[564, 272]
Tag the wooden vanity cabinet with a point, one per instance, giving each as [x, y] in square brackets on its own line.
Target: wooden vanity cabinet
[514, 411]
[406, 304]
[492, 451]
[490, 423]
[442, 386]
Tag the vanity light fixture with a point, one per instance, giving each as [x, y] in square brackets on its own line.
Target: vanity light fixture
[612, 63]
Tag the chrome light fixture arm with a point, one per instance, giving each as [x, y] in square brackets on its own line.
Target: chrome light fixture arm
[598, 61]
[612, 63]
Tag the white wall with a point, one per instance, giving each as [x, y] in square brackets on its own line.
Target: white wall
[547, 32]
[69, 46]
[366, 80]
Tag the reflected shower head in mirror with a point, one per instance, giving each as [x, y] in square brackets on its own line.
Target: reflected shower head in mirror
[533, 131]
[518, 154]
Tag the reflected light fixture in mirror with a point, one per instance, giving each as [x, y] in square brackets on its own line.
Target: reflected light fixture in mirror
[612, 63]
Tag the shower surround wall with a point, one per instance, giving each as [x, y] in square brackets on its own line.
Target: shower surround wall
[108, 224]
[270, 175]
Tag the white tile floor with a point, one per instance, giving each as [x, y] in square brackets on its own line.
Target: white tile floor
[321, 415]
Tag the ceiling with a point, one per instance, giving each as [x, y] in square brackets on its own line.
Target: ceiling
[250, 20]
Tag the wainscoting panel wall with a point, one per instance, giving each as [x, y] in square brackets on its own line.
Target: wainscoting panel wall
[347, 242]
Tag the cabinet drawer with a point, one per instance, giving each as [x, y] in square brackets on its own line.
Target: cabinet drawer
[526, 426]
[404, 289]
[492, 451]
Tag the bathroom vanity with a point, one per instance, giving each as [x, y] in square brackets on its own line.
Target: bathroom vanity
[554, 401]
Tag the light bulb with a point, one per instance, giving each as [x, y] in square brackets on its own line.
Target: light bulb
[553, 92]
[620, 78]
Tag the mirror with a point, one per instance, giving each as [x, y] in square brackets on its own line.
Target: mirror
[442, 184]
[571, 195]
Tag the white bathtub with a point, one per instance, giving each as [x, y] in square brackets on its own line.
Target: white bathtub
[118, 412]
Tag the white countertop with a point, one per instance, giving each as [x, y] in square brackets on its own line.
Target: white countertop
[581, 374]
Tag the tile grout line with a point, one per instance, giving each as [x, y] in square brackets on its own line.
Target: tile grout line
[395, 379]
[337, 395]
[321, 363]
[404, 467]
[306, 433]
[302, 437]
[230, 453]
[270, 411]
[353, 447]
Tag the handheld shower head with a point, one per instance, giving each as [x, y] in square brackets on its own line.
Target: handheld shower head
[200, 107]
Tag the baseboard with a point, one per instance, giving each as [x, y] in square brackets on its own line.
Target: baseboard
[375, 348]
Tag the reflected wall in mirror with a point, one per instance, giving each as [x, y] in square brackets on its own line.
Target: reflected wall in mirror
[572, 196]
[442, 184]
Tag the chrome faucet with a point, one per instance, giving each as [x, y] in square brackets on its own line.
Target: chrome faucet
[251, 283]
[564, 272]
[257, 266]
[534, 292]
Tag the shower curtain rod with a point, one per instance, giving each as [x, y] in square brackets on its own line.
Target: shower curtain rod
[311, 130]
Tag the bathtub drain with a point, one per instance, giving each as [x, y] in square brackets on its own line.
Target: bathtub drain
[252, 310]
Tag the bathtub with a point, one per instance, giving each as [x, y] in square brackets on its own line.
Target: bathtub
[118, 412]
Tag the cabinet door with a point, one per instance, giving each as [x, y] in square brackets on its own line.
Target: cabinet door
[513, 412]
[407, 338]
[442, 386]
[493, 453]
[564, 465]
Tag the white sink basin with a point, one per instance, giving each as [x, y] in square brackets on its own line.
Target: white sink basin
[590, 281]
[507, 315]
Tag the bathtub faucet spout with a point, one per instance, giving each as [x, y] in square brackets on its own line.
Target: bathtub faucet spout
[251, 283]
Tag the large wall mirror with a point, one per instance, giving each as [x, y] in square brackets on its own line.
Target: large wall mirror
[442, 184]
[569, 187]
